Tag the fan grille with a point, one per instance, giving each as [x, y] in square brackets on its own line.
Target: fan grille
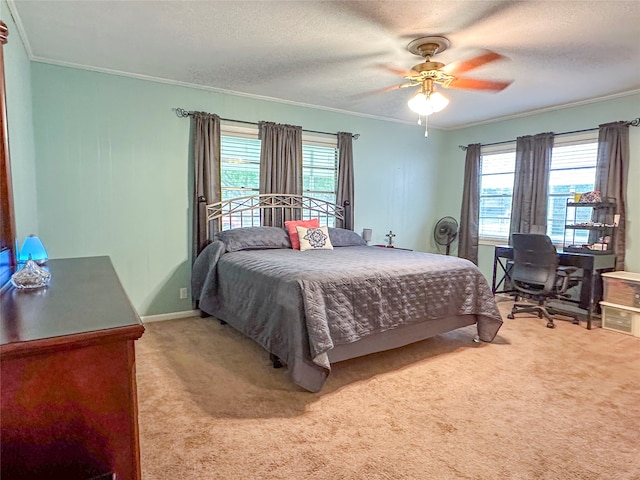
[446, 232]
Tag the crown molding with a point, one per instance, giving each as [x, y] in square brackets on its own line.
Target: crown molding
[149, 78]
[179, 83]
[544, 110]
[166, 81]
[21, 31]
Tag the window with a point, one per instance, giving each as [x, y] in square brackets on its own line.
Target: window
[240, 165]
[572, 170]
[496, 190]
[320, 172]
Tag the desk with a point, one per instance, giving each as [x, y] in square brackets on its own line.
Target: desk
[592, 266]
[68, 391]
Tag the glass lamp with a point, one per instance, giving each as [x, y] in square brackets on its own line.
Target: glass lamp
[426, 104]
[33, 249]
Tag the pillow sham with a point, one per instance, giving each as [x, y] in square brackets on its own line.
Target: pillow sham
[254, 238]
[314, 238]
[341, 237]
[291, 225]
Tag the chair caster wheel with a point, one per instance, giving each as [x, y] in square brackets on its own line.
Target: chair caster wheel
[551, 325]
[510, 316]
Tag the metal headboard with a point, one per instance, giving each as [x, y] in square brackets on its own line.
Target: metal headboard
[249, 211]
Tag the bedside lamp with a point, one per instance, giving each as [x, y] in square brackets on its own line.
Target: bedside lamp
[366, 235]
[32, 248]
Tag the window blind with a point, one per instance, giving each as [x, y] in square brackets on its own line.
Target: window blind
[239, 166]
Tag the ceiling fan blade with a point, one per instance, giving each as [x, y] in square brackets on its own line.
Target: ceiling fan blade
[476, 84]
[463, 66]
[384, 90]
[397, 71]
[380, 91]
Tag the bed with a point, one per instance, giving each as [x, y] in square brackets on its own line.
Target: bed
[312, 308]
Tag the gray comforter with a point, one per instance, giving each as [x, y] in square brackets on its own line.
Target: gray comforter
[299, 305]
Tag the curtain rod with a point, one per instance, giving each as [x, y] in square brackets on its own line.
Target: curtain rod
[633, 123]
[181, 112]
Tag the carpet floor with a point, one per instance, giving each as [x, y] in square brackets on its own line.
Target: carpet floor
[534, 404]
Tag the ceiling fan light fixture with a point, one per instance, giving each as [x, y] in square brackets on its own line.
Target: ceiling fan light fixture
[426, 104]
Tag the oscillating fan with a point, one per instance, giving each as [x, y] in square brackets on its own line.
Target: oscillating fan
[446, 232]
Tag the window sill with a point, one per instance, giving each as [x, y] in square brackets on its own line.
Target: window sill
[493, 241]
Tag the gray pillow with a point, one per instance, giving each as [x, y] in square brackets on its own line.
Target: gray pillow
[254, 238]
[345, 238]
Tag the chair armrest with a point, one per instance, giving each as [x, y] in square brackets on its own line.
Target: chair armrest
[565, 279]
[566, 271]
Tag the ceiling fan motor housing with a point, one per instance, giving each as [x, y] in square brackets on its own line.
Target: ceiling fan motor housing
[427, 47]
[427, 66]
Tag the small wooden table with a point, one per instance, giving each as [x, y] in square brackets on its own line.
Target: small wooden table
[68, 391]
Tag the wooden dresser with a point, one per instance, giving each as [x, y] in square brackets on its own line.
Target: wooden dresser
[68, 380]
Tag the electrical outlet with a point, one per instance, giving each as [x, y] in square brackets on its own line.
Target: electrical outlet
[183, 293]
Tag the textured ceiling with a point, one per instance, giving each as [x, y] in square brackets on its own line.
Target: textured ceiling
[333, 54]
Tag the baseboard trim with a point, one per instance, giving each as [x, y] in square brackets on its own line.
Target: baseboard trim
[169, 316]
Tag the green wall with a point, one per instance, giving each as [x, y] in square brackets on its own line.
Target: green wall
[451, 170]
[114, 176]
[20, 125]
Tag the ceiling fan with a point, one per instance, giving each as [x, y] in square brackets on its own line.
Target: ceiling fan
[429, 73]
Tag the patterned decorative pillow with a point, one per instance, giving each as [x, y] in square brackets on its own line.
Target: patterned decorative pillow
[291, 225]
[254, 238]
[314, 238]
[341, 237]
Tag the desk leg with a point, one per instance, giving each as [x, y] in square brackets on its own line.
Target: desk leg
[497, 284]
[588, 276]
[495, 271]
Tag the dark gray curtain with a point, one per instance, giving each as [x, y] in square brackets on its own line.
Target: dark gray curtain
[531, 182]
[345, 177]
[470, 213]
[612, 170]
[280, 166]
[206, 185]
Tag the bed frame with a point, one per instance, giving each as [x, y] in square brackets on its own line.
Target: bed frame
[249, 211]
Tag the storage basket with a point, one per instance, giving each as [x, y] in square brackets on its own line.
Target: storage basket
[621, 319]
[622, 288]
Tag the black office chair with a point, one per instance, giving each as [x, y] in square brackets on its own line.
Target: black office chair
[536, 274]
